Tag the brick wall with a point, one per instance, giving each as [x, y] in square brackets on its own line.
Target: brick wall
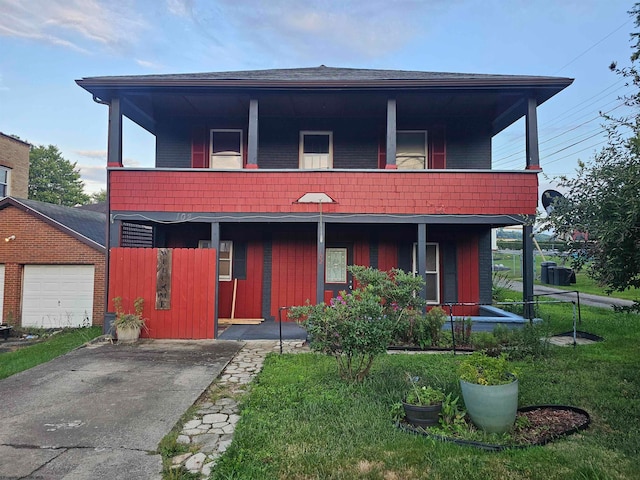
[39, 243]
[14, 154]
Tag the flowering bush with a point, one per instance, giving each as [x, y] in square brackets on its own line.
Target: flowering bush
[355, 327]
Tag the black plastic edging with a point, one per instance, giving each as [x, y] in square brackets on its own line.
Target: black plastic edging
[491, 447]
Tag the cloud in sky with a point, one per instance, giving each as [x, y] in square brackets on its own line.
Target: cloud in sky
[71, 23]
[93, 154]
[333, 28]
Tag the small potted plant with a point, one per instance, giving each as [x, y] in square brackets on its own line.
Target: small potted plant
[423, 404]
[129, 325]
[490, 391]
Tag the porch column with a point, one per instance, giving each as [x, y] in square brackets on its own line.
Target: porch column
[527, 270]
[252, 153]
[215, 243]
[533, 154]
[114, 143]
[320, 272]
[391, 134]
[422, 257]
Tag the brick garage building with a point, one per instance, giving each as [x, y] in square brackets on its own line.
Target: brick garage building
[52, 264]
[14, 167]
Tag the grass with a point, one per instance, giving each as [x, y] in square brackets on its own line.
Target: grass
[301, 422]
[584, 283]
[41, 352]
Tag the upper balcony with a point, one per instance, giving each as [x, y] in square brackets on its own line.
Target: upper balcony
[445, 193]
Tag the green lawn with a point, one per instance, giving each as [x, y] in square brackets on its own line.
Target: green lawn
[584, 283]
[52, 347]
[301, 422]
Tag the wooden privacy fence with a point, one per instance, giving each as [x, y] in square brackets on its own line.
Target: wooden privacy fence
[178, 286]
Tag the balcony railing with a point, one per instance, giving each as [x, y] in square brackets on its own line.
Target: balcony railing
[436, 192]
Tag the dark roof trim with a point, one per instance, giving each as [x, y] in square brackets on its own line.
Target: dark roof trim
[15, 139]
[326, 77]
[13, 202]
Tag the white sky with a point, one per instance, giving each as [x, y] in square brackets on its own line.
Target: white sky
[47, 44]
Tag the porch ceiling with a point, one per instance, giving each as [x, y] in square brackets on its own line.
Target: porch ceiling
[147, 107]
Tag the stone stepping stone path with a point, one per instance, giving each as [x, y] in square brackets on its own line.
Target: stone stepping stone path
[210, 432]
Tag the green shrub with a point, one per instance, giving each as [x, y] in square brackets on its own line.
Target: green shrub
[485, 370]
[434, 321]
[356, 327]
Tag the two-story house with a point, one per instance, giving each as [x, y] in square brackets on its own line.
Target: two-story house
[268, 184]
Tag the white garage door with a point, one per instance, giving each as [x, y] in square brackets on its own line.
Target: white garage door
[1, 292]
[57, 295]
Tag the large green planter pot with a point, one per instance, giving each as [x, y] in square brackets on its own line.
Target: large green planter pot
[492, 408]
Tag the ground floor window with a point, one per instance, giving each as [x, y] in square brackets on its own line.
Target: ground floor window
[432, 273]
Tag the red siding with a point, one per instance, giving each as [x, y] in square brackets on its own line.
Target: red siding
[133, 274]
[199, 149]
[249, 291]
[294, 267]
[468, 274]
[383, 192]
[387, 256]
[438, 148]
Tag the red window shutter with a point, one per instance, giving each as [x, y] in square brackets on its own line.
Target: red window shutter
[382, 151]
[438, 148]
[199, 149]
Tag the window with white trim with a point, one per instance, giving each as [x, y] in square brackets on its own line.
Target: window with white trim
[5, 173]
[411, 149]
[316, 150]
[226, 149]
[432, 273]
[225, 260]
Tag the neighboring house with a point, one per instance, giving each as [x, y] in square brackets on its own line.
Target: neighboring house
[14, 167]
[279, 179]
[52, 264]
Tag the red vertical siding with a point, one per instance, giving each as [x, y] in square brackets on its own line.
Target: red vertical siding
[468, 274]
[387, 255]
[193, 274]
[199, 148]
[249, 291]
[438, 148]
[294, 267]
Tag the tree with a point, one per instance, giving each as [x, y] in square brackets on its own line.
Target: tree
[98, 197]
[603, 198]
[54, 179]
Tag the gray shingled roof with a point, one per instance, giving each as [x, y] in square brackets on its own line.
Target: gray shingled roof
[82, 223]
[321, 74]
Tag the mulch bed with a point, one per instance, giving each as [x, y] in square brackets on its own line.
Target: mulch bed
[535, 425]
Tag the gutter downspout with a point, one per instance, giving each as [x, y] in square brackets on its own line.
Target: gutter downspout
[106, 325]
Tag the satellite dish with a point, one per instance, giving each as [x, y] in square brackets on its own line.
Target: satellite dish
[548, 199]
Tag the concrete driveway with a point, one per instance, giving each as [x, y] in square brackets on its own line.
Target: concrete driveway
[100, 411]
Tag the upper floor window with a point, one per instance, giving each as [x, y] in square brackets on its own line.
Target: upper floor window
[226, 149]
[411, 149]
[316, 150]
[4, 181]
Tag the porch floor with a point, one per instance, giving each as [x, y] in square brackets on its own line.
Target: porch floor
[267, 330]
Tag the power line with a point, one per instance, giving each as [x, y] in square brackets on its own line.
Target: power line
[592, 47]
